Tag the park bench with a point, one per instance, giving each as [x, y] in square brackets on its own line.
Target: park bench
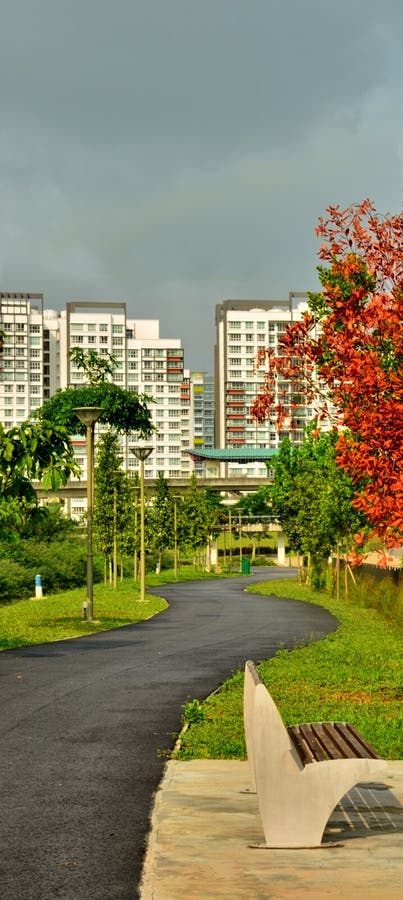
[299, 773]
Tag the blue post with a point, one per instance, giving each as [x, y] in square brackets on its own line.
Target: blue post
[38, 587]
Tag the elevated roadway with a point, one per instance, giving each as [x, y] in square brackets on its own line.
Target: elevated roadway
[236, 484]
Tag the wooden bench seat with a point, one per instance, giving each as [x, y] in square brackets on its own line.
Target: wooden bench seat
[319, 741]
[299, 773]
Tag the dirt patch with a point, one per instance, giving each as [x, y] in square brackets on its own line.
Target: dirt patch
[361, 697]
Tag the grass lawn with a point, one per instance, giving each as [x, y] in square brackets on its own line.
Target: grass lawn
[353, 674]
[58, 616]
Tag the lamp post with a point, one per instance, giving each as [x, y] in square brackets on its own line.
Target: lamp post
[176, 498]
[142, 452]
[240, 540]
[88, 415]
[136, 490]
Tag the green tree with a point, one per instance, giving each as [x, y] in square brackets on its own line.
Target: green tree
[312, 499]
[97, 368]
[31, 451]
[110, 507]
[162, 517]
[198, 520]
[255, 510]
[125, 411]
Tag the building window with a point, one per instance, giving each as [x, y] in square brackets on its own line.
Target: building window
[76, 326]
[91, 339]
[77, 339]
[117, 329]
[34, 329]
[103, 326]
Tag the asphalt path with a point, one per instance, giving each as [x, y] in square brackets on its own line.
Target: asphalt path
[85, 723]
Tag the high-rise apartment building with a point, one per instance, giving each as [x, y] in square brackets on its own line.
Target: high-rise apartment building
[243, 327]
[203, 406]
[36, 362]
[30, 357]
[147, 364]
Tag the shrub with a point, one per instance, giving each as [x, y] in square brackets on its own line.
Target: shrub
[16, 581]
[62, 564]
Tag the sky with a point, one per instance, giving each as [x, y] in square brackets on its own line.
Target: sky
[178, 153]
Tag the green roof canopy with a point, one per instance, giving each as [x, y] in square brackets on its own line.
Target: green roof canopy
[238, 454]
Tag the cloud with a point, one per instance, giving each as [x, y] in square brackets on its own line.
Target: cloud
[174, 154]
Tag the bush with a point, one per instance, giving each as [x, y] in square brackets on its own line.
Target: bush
[62, 564]
[263, 561]
[16, 581]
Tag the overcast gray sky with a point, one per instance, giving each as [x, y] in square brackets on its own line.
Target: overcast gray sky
[176, 153]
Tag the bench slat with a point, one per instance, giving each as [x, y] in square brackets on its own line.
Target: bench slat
[319, 741]
[358, 744]
[307, 745]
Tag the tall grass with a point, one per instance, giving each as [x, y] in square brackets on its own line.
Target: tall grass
[354, 674]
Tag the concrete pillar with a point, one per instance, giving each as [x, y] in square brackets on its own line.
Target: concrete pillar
[281, 548]
[213, 553]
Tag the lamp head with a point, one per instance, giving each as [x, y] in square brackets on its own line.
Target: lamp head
[88, 415]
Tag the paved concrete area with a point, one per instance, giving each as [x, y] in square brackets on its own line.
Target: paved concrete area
[203, 825]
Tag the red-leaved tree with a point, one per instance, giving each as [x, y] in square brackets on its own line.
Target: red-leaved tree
[346, 357]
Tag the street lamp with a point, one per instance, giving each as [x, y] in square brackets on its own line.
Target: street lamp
[142, 452]
[136, 490]
[176, 499]
[88, 415]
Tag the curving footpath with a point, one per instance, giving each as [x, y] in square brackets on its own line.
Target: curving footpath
[85, 723]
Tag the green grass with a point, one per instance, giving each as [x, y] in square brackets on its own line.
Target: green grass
[59, 616]
[353, 674]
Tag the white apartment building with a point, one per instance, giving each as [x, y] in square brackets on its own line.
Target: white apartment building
[31, 355]
[36, 362]
[203, 414]
[147, 364]
[243, 327]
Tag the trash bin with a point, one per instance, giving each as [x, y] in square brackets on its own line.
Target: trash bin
[245, 566]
